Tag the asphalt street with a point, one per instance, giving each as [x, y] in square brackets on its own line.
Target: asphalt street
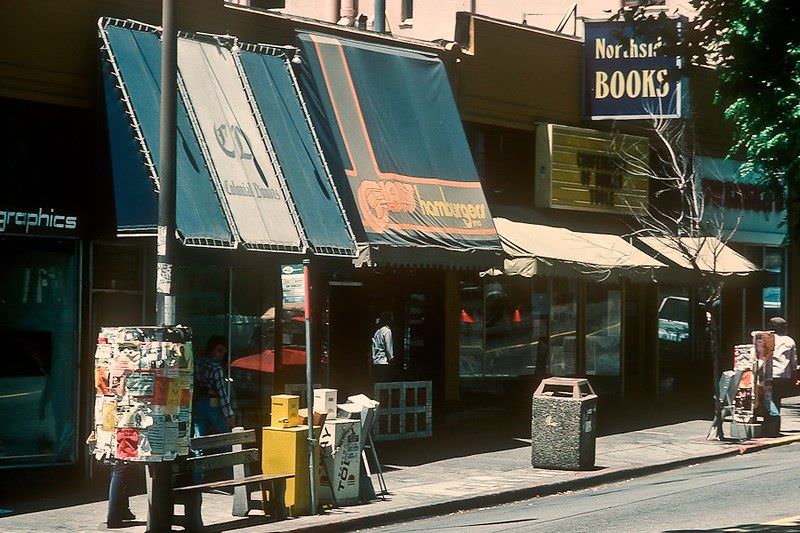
[758, 492]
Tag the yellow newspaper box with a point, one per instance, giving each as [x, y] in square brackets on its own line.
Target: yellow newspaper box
[284, 411]
[285, 451]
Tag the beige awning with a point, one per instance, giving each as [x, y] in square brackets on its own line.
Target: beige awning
[533, 248]
[710, 254]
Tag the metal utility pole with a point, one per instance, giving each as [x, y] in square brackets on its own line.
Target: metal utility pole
[165, 247]
[312, 442]
[159, 475]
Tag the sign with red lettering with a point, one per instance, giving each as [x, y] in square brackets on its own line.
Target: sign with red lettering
[740, 202]
[630, 69]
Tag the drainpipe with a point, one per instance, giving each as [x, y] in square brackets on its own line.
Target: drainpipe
[347, 13]
[379, 22]
[331, 11]
[473, 6]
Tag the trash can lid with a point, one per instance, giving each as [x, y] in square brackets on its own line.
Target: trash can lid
[561, 387]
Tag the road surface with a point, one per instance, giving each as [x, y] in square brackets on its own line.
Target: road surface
[756, 492]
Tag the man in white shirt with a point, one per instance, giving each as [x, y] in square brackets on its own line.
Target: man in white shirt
[784, 362]
[382, 349]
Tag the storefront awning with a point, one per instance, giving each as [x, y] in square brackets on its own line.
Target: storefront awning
[245, 148]
[392, 135]
[132, 96]
[288, 126]
[532, 249]
[710, 254]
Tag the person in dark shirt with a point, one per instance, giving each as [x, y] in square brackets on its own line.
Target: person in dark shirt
[212, 412]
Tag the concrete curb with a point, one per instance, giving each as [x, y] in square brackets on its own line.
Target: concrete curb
[763, 444]
[545, 489]
[508, 496]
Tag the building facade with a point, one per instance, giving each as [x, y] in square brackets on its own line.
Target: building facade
[76, 267]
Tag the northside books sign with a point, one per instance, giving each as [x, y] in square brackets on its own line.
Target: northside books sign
[629, 72]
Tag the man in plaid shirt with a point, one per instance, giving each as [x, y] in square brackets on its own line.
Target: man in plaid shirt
[212, 412]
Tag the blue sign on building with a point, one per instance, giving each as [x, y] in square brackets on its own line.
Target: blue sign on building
[631, 70]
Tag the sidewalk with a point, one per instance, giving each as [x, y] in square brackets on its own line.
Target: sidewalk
[453, 484]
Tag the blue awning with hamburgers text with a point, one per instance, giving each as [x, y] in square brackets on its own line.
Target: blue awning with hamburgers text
[393, 138]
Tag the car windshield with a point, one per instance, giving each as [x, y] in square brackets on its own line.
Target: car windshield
[676, 309]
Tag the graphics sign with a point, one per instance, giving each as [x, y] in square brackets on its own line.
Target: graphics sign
[37, 221]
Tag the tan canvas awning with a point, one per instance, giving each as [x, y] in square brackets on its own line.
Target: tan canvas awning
[534, 249]
[710, 253]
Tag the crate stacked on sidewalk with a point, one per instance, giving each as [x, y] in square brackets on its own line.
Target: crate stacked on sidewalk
[405, 412]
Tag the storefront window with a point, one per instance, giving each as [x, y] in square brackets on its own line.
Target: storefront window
[252, 343]
[603, 320]
[509, 333]
[540, 325]
[471, 334]
[202, 302]
[563, 326]
[773, 293]
[240, 305]
[39, 326]
[674, 339]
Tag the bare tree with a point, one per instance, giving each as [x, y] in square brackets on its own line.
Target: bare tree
[677, 220]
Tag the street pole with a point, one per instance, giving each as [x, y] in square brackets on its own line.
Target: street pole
[160, 505]
[165, 300]
[312, 444]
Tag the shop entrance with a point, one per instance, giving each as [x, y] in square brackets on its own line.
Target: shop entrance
[415, 301]
[351, 309]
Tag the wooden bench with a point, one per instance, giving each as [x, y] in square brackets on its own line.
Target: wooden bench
[245, 460]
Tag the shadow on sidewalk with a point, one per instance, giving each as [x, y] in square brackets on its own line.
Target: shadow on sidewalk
[743, 528]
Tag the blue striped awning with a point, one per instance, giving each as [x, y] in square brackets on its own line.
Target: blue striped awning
[250, 172]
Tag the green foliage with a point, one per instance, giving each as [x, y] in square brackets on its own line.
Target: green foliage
[757, 46]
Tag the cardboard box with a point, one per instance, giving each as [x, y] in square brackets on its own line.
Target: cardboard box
[325, 401]
[284, 411]
[319, 418]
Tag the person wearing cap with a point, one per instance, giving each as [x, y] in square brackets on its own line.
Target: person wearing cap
[382, 349]
[784, 362]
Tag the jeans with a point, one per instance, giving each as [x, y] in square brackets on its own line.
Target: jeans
[119, 490]
[208, 419]
[781, 388]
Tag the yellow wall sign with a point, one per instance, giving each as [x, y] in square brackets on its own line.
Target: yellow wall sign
[590, 170]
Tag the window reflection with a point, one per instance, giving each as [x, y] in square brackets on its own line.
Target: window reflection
[774, 277]
[39, 325]
[674, 348]
[471, 330]
[563, 324]
[603, 321]
[509, 341]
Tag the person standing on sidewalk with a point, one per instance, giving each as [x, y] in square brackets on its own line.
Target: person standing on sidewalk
[212, 412]
[119, 489]
[784, 362]
[382, 349]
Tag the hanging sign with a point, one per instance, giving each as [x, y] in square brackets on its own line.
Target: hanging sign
[629, 70]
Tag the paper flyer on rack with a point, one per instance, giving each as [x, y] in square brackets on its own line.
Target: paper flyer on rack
[143, 384]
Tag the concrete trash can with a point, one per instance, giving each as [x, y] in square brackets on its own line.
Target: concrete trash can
[563, 424]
